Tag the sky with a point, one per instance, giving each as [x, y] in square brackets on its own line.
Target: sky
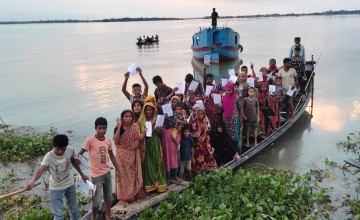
[21, 10]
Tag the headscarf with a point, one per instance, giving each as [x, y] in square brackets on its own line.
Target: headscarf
[142, 118]
[229, 101]
[197, 130]
[149, 98]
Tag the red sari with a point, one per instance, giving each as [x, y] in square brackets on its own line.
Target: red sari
[203, 155]
[129, 182]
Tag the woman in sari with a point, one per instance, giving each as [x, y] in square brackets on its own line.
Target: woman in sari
[154, 175]
[231, 116]
[127, 138]
[203, 157]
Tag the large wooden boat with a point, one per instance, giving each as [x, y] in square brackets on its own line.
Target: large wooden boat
[153, 199]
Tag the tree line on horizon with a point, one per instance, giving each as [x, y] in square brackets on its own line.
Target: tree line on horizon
[128, 19]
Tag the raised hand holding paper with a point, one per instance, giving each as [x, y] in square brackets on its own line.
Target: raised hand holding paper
[207, 59]
[231, 72]
[217, 99]
[193, 85]
[260, 77]
[132, 69]
[180, 86]
[208, 90]
[167, 109]
[88, 188]
[200, 103]
[250, 82]
[233, 79]
[159, 121]
[148, 125]
[272, 89]
[224, 82]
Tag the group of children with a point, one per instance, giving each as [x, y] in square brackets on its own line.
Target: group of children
[201, 134]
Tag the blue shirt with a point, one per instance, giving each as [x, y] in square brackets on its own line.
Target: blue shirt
[185, 148]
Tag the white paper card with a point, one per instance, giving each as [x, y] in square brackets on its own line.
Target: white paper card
[233, 79]
[148, 125]
[231, 72]
[250, 82]
[224, 82]
[272, 89]
[180, 86]
[270, 76]
[88, 188]
[207, 59]
[208, 90]
[167, 109]
[132, 69]
[159, 121]
[217, 99]
[290, 92]
[201, 104]
[193, 85]
[260, 77]
[83, 161]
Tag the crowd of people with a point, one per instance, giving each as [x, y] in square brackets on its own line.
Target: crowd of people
[205, 131]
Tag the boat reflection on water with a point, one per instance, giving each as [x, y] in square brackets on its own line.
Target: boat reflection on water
[217, 69]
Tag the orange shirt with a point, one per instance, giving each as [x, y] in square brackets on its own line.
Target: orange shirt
[98, 155]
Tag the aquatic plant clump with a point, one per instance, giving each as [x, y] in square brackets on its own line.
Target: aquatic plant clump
[245, 195]
[23, 144]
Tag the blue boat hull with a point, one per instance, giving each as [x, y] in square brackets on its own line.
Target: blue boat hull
[219, 43]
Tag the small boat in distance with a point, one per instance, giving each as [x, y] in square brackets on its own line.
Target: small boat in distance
[148, 40]
[219, 43]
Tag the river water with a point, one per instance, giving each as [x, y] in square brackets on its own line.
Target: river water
[67, 75]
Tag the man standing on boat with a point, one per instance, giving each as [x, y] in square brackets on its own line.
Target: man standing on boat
[214, 16]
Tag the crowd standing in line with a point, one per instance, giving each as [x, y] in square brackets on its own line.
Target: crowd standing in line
[204, 130]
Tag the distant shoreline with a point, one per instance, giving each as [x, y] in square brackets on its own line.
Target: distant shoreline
[127, 19]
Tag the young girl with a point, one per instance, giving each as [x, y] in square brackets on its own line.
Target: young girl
[231, 116]
[241, 86]
[127, 138]
[202, 153]
[136, 107]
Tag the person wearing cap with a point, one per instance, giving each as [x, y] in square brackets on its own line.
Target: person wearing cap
[302, 49]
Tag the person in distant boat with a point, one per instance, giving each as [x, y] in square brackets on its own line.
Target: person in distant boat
[156, 37]
[302, 49]
[139, 39]
[136, 88]
[214, 16]
[148, 39]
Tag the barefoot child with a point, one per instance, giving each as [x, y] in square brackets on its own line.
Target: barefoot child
[61, 183]
[186, 145]
[250, 115]
[100, 151]
[136, 88]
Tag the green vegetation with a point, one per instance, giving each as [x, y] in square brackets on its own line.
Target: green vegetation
[23, 144]
[245, 195]
[351, 144]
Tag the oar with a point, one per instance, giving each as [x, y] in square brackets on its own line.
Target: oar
[16, 192]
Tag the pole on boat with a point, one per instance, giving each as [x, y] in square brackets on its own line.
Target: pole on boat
[312, 91]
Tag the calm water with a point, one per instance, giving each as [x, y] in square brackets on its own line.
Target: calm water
[67, 75]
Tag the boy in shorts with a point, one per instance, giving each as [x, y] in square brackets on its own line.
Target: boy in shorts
[186, 152]
[100, 151]
[250, 115]
[61, 183]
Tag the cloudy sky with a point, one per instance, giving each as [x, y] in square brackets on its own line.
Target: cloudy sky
[96, 9]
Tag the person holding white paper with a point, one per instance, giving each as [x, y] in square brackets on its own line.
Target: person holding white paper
[188, 79]
[231, 117]
[289, 80]
[241, 85]
[100, 152]
[136, 88]
[162, 91]
[130, 151]
[154, 175]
